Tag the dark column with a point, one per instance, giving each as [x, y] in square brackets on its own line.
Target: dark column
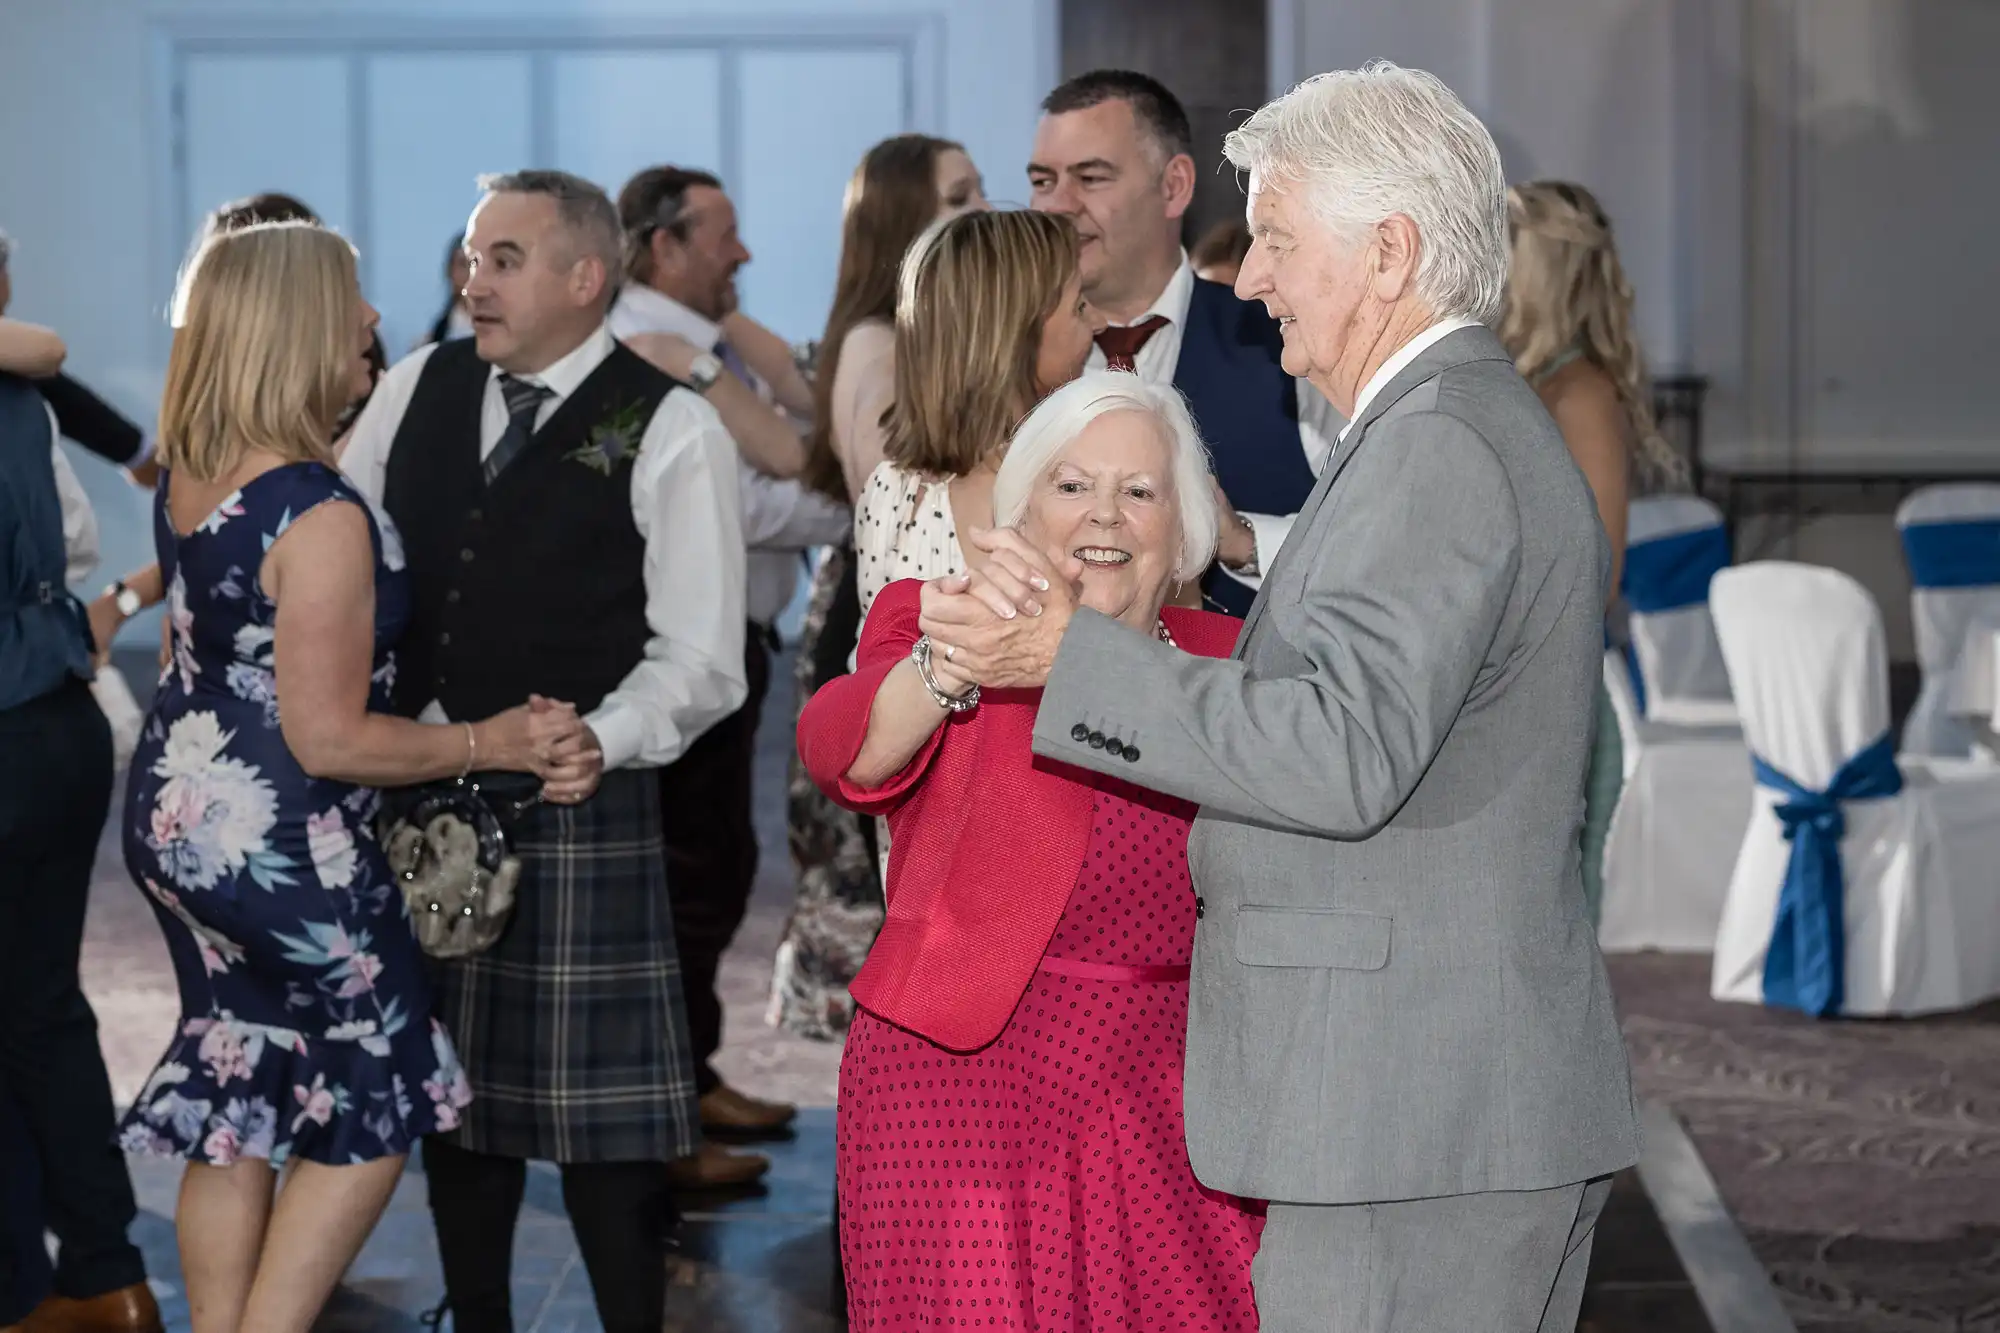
[1210, 52]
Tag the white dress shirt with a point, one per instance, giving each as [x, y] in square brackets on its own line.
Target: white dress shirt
[684, 504]
[79, 520]
[1400, 358]
[1156, 363]
[781, 518]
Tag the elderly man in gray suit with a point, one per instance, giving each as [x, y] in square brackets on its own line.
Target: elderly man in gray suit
[1400, 1030]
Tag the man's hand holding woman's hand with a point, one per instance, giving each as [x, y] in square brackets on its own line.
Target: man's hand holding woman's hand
[572, 760]
[548, 739]
[1001, 624]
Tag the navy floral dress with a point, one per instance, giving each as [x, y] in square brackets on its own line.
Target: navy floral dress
[305, 1024]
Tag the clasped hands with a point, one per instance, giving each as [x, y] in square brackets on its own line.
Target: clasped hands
[1000, 625]
[562, 751]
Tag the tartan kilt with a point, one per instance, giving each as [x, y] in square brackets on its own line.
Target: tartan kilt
[572, 1028]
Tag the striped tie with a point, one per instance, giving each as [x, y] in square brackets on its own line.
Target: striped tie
[524, 399]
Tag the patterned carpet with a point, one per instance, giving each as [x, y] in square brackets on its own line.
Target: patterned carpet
[1861, 1159]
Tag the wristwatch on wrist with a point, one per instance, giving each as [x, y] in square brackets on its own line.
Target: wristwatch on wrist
[1249, 566]
[126, 599]
[703, 371]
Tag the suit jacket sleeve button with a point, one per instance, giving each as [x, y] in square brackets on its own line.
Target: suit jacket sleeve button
[1114, 747]
[1096, 740]
[1131, 754]
[1079, 732]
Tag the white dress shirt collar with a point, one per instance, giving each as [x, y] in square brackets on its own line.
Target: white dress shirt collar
[1173, 299]
[643, 309]
[565, 376]
[1400, 359]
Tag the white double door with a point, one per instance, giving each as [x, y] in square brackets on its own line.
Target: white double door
[386, 145]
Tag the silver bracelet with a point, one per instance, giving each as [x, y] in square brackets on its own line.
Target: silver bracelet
[920, 653]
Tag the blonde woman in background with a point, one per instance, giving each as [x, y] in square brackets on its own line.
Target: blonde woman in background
[1568, 323]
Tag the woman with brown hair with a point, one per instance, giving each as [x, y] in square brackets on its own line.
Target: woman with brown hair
[990, 318]
[305, 1034]
[902, 186]
[1567, 321]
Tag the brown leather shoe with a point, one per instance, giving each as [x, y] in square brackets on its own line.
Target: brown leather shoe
[724, 1110]
[126, 1310]
[715, 1167]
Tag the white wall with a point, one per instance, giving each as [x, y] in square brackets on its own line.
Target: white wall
[87, 193]
[1577, 89]
[1804, 192]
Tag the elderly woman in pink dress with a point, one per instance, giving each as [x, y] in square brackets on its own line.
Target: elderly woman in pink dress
[1011, 1151]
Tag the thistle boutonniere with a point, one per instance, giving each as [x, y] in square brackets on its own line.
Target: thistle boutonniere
[613, 442]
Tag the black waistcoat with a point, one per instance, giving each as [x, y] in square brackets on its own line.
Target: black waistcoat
[535, 584]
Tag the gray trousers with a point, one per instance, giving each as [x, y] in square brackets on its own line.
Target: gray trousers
[1474, 1263]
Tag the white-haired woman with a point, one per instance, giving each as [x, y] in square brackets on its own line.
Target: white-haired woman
[1010, 1101]
[1567, 322]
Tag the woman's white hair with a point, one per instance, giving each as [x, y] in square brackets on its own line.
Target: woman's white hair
[1367, 143]
[1062, 416]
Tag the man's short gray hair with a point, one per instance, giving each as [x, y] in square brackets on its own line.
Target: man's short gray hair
[1370, 142]
[1062, 416]
[587, 214]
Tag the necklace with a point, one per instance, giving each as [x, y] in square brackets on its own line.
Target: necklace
[1166, 636]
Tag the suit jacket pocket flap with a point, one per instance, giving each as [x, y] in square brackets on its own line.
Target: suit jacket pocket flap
[1311, 937]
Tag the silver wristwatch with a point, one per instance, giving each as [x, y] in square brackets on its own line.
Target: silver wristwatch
[920, 653]
[703, 371]
[1249, 567]
[126, 599]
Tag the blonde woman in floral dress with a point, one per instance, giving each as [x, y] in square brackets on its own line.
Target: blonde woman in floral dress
[305, 1037]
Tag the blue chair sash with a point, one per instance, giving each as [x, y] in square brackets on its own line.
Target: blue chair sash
[1953, 555]
[1669, 573]
[1666, 574]
[1805, 965]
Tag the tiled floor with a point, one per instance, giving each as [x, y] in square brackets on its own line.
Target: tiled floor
[1637, 1284]
[756, 1263]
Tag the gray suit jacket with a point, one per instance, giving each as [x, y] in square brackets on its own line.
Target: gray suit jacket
[1397, 990]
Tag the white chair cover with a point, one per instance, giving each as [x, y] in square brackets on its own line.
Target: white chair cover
[1951, 543]
[1921, 907]
[1673, 545]
[1673, 837]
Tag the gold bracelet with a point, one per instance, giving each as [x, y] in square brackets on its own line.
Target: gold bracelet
[471, 751]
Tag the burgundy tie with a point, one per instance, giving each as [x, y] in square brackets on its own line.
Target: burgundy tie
[1121, 344]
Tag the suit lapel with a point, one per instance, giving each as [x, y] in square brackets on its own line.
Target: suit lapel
[1454, 349]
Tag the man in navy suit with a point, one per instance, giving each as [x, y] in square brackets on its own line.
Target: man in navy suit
[1114, 154]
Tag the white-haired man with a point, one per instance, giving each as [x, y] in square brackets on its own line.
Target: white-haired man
[1400, 1030]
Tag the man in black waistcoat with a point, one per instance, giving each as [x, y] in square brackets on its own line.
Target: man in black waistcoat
[60, 1167]
[572, 526]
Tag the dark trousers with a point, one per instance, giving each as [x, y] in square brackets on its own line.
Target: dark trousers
[622, 1213]
[712, 852]
[25, 1276]
[55, 788]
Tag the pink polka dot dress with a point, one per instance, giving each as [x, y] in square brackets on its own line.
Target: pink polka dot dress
[1042, 1183]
